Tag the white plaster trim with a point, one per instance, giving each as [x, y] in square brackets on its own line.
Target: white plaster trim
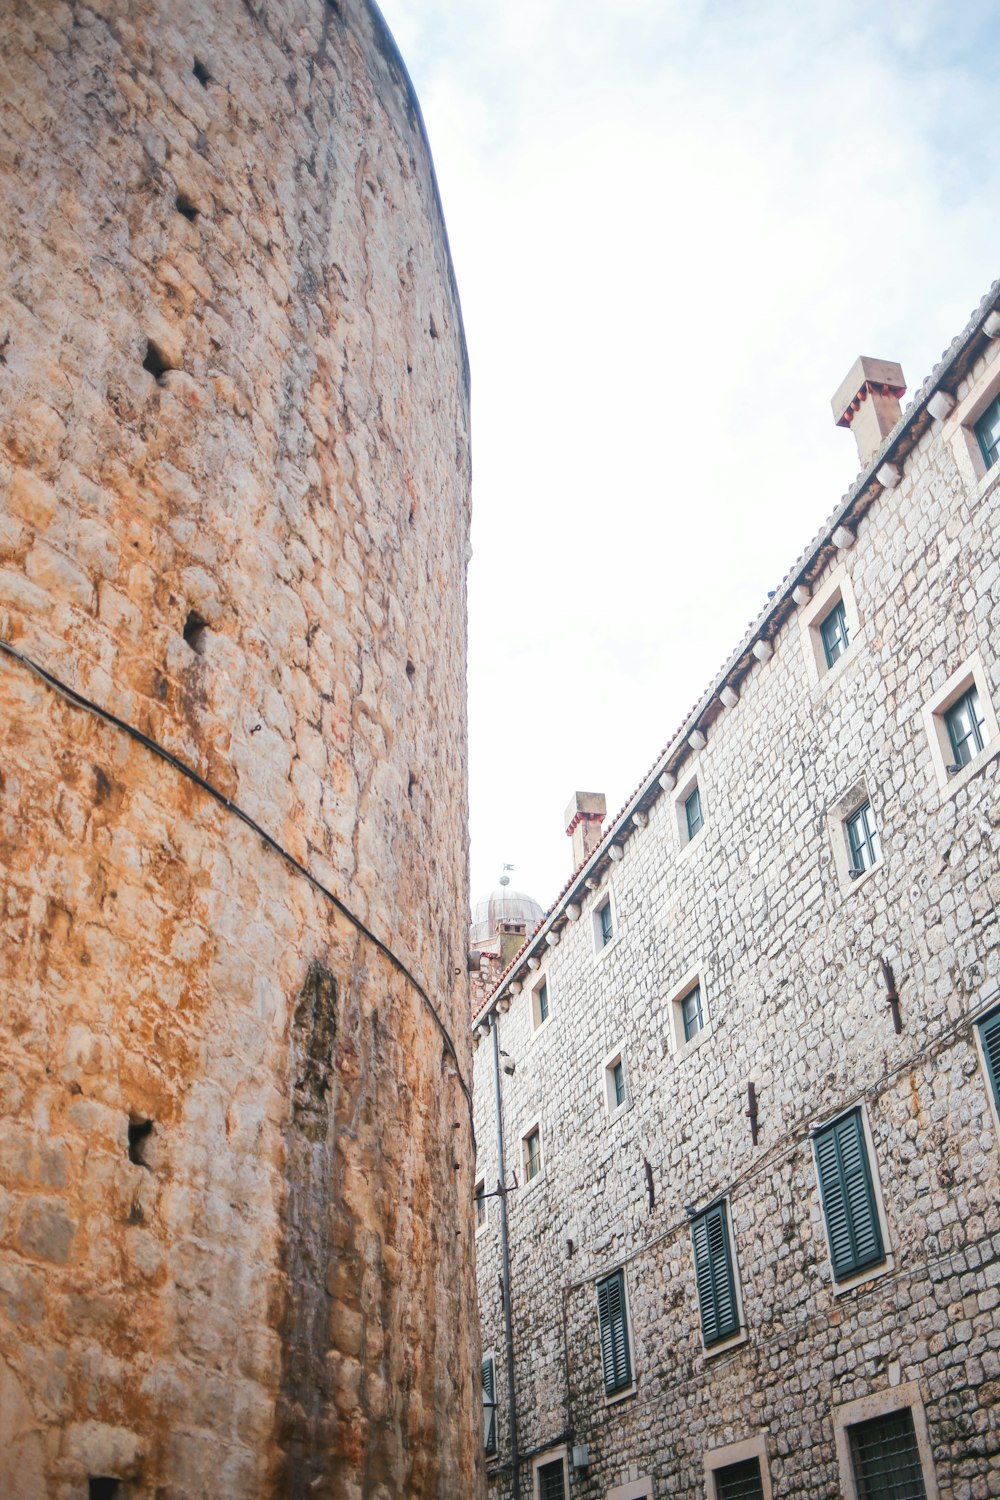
[541, 976]
[843, 809]
[679, 796]
[836, 586]
[607, 898]
[738, 1453]
[678, 1046]
[637, 1489]
[971, 672]
[959, 427]
[550, 1457]
[881, 1404]
[527, 1183]
[615, 1111]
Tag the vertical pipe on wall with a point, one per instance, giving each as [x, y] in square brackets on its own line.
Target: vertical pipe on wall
[515, 1461]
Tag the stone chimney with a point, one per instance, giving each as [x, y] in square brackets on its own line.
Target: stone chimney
[584, 817]
[868, 402]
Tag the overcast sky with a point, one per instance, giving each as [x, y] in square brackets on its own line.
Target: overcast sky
[675, 225]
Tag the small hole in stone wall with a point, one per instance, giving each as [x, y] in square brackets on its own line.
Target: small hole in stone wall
[194, 632]
[202, 74]
[186, 207]
[410, 670]
[411, 784]
[154, 361]
[432, 330]
[101, 1487]
[413, 511]
[139, 1132]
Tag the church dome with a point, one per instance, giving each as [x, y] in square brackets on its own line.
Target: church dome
[502, 905]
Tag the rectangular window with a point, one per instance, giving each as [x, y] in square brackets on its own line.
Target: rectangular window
[834, 633]
[533, 1154]
[551, 1481]
[739, 1481]
[713, 1265]
[480, 1198]
[489, 1405]
[607, 924]
[989, 1034]
[691, 1013]
[848, 1196]
[988, 433]
[543, 1001]
[885, 1458]
[693, 814]
[618, 1083]
[965, 724]
[863, 840]
[615, 1355]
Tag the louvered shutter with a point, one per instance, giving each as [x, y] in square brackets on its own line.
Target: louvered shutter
[989, 1030]
[713, 1264]
[848, 1197]
[489, 1407]
[615, 1355]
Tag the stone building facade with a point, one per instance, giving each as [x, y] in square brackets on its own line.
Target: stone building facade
[235, 1108]
[754, 1224]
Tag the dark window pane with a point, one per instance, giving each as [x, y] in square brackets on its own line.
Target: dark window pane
[739, 1481]
[618, 1078]
[543, 1002]
[534, 1154]
[863, 840]
[965, 727]
[551, 1481]
[607, 924]
[885, 1458]
[988, 433]
[692, 813]
[691, 1013]
[834, 633]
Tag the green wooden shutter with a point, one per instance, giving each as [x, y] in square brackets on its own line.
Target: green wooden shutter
[489, 1407]
[845, 1185]
[713, 1265]
[989, 1030]
[615, 1355]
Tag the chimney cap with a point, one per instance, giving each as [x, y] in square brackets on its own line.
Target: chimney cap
[584, 805]
[864, 375]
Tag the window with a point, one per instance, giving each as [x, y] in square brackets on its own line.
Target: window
[965, 723]
[988, 433]
[541, 1003]
[692, 814]
[489, 1405]
[616, 1358]
[862, 841]
[848, 1196]
[885, 1458]
[550, 1480]
[607, 923]
[834, 633]
[692, 1018]
[989, 1035]
[713, 1266]
[615, 1074]
[740, 1481]
[618, 1083]
[531, 1153]
[480, 1202]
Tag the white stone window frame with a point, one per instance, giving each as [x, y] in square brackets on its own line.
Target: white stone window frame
[870, 1273]
[636, 1489]
[742, 1334]
[604, 898]
[628, 1391]
[837, 588]
[613, 1111]
[526, 1131]
[484, 1226]
[883, 1404]
[678, 1046]
[537, 1027]
[693, 781]
[959, 428]
[550, 1457]
[837, 819]
[738, 1453]
[988, 1003]
[972, 673]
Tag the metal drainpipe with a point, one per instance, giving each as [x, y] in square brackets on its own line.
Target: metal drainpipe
[515, 1461]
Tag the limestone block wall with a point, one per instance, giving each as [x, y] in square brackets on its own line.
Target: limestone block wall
[788, 950]
[235, 1137]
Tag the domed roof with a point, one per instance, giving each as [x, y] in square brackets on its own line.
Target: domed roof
[503, 905]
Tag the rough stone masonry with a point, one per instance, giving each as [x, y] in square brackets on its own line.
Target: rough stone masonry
[235, 1135]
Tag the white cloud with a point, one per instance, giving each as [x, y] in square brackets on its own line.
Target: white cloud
[674, 228]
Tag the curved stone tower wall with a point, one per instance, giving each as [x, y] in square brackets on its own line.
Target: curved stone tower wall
[235, 1145]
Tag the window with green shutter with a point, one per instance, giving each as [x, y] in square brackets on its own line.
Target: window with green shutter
[489, 1405]
[848, 1196]
[886, 1459]
[615, 1354]
[739, 1481]
[989, 1033]
[713, 1266]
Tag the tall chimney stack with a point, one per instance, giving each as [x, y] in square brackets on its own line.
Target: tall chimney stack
[584, 817]
[868, 402]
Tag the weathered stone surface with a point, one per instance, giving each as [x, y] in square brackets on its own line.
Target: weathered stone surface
[234, 462]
